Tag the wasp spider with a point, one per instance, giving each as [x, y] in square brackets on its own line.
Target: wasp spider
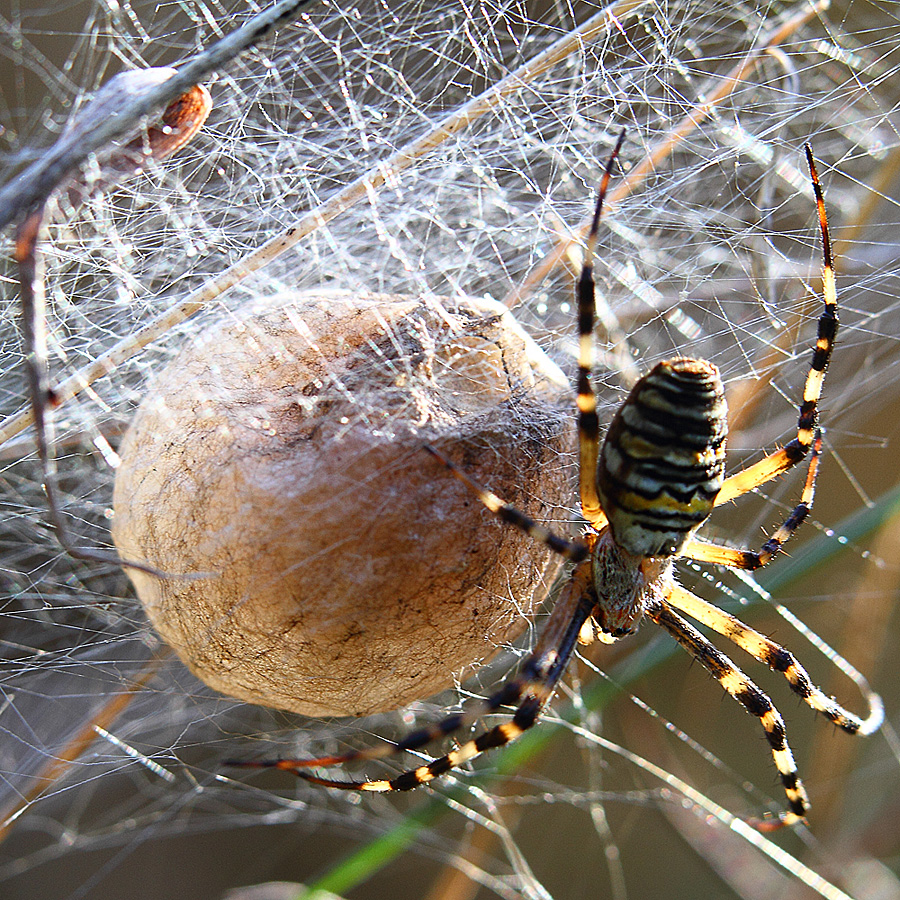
[657, 477]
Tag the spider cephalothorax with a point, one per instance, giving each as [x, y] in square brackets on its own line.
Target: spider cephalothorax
[631, 585]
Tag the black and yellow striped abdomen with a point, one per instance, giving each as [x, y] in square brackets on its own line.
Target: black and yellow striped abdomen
[663, 460]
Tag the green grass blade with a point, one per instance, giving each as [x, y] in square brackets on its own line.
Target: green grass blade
[358, 866]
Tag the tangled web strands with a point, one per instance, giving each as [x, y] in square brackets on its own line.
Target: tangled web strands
[709, 249]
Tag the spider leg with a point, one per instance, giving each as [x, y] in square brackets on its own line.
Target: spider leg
[573, 550]
[739, 686]
[180, 122]
[42, 397]
[588, 421]
[531, 689]
[794, 451]
[776, 657]
[702, 551]
[34, 329]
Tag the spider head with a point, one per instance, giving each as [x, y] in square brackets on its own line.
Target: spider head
[625, 585]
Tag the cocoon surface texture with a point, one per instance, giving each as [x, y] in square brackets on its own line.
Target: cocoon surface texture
[343, 570]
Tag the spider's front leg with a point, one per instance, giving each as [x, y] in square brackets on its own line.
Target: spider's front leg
[757, 703]
[586, 401]
[778, 659]
[572, 550]
[531, 689]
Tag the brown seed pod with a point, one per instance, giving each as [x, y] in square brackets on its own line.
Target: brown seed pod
[344, 571]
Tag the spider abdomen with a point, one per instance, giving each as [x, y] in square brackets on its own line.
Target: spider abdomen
[663, 460]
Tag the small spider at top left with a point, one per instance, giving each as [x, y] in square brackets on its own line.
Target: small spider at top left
[180, 121]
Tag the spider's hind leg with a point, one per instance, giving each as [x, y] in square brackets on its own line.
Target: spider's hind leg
[795, 450]
[526, 715]
[510, 694]
[703, 551]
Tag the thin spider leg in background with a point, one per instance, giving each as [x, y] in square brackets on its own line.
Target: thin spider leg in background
[31, 287]
[33, 297]
[179, 123]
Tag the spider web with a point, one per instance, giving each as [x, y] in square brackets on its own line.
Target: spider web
[110, 749]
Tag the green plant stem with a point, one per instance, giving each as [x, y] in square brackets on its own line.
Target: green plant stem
[360, 865]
